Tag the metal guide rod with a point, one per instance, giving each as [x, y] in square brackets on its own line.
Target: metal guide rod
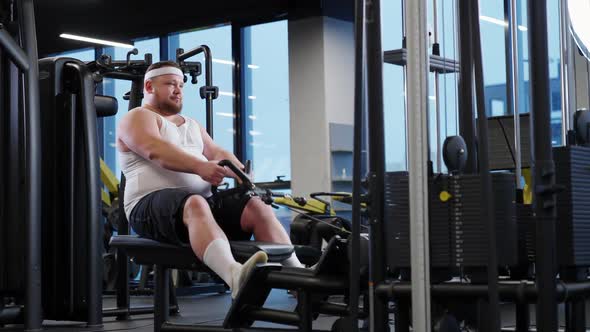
[417, 87]
[404, 85]
[436, 51]
[515, 94]
[359, 99]
[512, 79]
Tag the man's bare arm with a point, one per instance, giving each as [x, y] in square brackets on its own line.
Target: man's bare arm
[139, 132]
[214, 152]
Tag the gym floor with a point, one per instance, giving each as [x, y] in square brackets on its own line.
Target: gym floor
[200, 309]
[210, 310]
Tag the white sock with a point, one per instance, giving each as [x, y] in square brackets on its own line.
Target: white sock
[218, 257]
[241, 274]
[292, 261]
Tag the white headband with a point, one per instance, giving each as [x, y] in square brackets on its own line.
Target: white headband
[163, 71]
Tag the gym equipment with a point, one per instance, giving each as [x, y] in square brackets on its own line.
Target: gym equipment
[582, 127]
[134, 70]
[20, 195]
[457, 238]
[71, 248]
[329, 277]
[315, 224]
[209, 92]
[501, 133]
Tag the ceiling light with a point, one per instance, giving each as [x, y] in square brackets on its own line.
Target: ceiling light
[228, 94]
[493, 20]
[94, 40]
[225, 62]
[225, 114]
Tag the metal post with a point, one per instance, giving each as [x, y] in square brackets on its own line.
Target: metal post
[238, 78]
[418, 64]
[466, 118]
[94, 235]
[359, 99]
[543, 167]
[376, 158]
[33, 313]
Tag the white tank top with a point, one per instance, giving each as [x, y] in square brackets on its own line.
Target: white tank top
[144, 177]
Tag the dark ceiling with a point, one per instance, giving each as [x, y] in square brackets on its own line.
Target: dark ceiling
[124, 20]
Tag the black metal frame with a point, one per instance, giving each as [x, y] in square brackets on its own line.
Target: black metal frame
[180, 57]
[25, 59]
[88, 114]
[239, 107]
[543, 168]
[371, 24]
[486, 199]
[546, 292]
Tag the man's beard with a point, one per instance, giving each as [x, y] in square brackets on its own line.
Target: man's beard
[169, 107]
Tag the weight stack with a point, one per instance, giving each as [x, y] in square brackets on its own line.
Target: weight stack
[526, 234]
[573, 205]
[397, 222]
[468, 231]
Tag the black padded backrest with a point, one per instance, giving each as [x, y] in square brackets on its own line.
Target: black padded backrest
[105, 106]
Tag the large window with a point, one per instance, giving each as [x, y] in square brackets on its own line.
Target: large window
[492, 28]
[554, 64]
[394, 84]
[219, 41]
[266, 99]
[394, 92]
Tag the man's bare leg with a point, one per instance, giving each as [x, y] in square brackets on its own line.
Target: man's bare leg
[211, 245]
[260, 219]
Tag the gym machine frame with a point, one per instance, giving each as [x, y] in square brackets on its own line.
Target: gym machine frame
[546, 291]
[25, 58]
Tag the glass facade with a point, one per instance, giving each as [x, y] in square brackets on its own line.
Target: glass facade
[493, 25]
[394, 80]
[266, 100]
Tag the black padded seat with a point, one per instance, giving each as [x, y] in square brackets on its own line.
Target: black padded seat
[147, 251]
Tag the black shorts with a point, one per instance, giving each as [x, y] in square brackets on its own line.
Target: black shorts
[158, 215]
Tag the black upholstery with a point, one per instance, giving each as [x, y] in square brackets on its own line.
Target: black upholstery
[146, 251]
[105, 106]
